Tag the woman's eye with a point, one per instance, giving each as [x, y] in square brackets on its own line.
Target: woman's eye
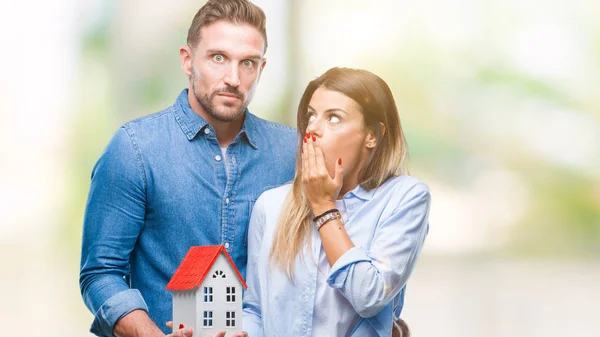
[248, 64]
[334, 119]
[218, 58]
[311, 117]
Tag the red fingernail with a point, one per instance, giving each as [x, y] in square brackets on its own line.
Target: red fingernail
[180, 326]
[307, 135]
[340, 161]
[305, 140]
[314, 139]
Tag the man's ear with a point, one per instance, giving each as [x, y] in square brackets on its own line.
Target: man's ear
[262, 66]
[186, 58]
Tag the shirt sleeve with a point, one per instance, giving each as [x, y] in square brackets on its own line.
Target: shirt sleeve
[113, 219]
[370, 280]
[252, 311]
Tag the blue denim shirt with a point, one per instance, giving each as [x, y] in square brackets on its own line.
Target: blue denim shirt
[160, 187]
[363, 291]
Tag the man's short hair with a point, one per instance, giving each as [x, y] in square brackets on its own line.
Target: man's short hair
[235, 11]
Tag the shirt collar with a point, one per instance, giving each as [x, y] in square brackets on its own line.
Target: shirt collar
[191, 123]
[360, 193]
[249, 129]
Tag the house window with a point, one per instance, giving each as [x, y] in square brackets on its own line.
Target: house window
[219, 273]
[207, 322]
[230, 292]
[208, 294]
[230, 319]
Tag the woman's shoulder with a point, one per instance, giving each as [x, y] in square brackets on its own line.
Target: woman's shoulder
[406, 184]
[273, 198]
[268, 207]
[401, 189]
[276, 193]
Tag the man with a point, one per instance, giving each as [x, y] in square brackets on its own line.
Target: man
[182, 177]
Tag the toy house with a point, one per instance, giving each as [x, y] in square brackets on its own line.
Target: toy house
[207, 292]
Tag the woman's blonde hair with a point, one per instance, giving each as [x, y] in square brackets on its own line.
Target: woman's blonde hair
[380, 115]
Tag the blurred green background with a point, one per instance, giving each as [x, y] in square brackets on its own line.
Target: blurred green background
[500, 101]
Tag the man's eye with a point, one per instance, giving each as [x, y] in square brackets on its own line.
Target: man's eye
[334, 119]
[248, 64]
[218, 58]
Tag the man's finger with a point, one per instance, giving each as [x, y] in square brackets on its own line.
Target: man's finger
[169, 324]
[187, 332]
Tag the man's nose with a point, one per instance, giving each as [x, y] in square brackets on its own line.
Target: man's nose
[232, 77]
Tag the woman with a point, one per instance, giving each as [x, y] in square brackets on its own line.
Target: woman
[329, 255]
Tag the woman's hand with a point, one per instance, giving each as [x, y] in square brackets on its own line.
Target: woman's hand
[320, 189]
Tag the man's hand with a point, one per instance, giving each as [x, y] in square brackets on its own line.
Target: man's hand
[188, 332]
[239, 334]
[185, 332]
[136, 324]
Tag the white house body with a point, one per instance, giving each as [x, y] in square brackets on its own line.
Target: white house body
[207, 296]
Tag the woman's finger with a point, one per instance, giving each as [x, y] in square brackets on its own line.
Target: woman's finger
[304, 158]
[320, 161]
[339, 172]
[312, 164]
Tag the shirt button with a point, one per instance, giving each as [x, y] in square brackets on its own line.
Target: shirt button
[227, 200]
[218, 158]
[226, 245]
[206, 131]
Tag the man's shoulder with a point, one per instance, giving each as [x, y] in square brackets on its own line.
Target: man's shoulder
[151, 120]
[273, 127]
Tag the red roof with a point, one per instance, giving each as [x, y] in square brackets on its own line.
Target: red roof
[196, 264]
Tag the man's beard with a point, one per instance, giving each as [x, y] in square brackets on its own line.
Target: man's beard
[220, 113]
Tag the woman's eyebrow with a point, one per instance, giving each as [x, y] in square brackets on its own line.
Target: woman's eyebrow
[328, 110]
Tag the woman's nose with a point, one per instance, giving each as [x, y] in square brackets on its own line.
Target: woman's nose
[312, 133]
[313, 129]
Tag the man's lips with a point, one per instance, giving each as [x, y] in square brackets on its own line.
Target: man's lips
[225, 94]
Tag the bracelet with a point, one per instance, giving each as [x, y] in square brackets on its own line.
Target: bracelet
[333, 210]
[323, 219]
